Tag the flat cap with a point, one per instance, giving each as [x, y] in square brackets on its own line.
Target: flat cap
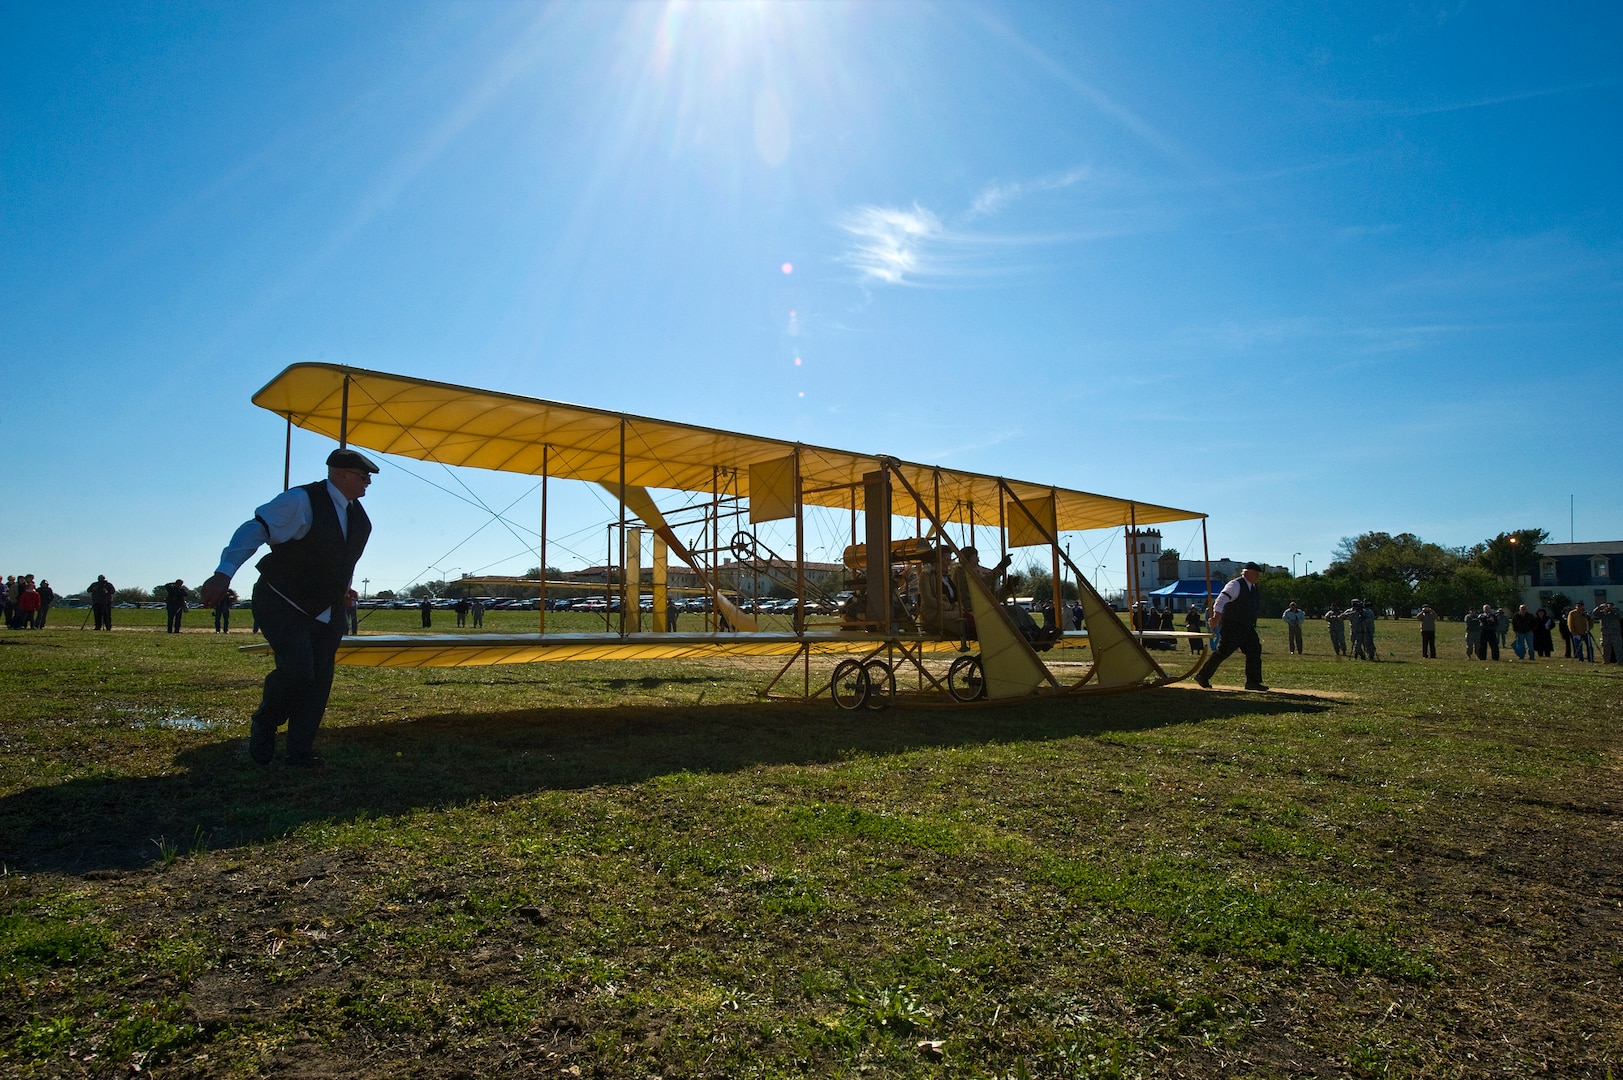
[1252, 566]
[345, 458]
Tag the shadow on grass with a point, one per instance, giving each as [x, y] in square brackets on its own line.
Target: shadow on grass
[221, 800]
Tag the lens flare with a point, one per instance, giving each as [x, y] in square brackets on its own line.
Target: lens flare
[788, 268]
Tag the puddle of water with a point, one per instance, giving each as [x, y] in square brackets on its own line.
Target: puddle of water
[182, 722]
[171, 720]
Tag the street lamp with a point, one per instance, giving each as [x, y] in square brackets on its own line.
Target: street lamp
[1293, 564]
[1308, 569]
[1514, 576]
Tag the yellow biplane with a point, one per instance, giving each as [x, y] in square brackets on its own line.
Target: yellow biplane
[920, 605]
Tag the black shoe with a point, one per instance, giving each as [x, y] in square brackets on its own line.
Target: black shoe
[261, 744]
[305, 761]
[1203, 682]
[1255, 686]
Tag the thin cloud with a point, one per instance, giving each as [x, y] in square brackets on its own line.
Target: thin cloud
[1388, 108]
[895, 246]
[910, 246]
[1103, 103]
[950, 451]
[996, 196]
[891, 245]
[1506, 99]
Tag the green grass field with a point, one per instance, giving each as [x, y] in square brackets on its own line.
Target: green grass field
[1406, 869]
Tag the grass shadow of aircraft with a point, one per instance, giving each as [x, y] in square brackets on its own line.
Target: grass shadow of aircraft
[218, 799]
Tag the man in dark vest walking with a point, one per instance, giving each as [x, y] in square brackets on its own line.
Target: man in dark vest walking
[1235, 614]
[316, 535]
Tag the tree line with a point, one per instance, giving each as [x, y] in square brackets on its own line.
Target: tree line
[1404, 572]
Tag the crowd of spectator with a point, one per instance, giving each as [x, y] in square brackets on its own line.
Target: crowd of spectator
[25, 604]
[1487, 632]
[1590, 636]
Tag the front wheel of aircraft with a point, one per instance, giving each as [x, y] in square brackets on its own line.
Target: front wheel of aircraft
[964, 679]
[881, 684]
[849, 685]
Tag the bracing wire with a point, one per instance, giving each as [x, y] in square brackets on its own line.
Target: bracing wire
[430, 456]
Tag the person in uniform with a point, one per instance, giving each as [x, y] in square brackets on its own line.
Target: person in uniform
[1337, 622]
[1361, 624]
[1428, 632]
[1235, 615]
[1611, 631]
[316, 534]
[1355, 629]
[1294, 618]
[1369, 633]
[1488, 633]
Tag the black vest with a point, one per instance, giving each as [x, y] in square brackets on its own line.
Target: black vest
[1243, 609]
[314, 571]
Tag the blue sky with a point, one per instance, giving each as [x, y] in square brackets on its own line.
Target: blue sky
[1313, 270]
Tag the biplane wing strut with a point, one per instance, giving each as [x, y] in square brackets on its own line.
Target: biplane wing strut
[640, 502]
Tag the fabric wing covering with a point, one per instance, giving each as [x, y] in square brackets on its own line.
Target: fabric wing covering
[483, 429]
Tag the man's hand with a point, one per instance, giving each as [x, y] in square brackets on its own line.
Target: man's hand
[214, 589]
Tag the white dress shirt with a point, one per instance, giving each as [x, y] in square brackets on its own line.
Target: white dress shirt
[1231, 591]
[286, 517]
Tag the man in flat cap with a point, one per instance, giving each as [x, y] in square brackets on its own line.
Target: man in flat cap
[1234, 612]
[316, 535]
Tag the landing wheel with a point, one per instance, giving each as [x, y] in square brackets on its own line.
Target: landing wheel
[849, 684]
[881, 684]
[964, 679]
